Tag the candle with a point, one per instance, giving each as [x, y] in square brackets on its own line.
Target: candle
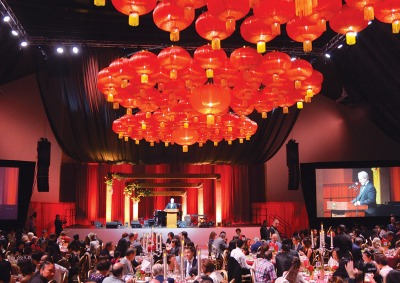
[182, 268]
[157, 239]
[165, 265]
[331, 239]
[147, 243]
[198, 262]
[312, 238]
[161, 242]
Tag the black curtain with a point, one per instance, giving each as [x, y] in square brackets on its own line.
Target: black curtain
[81, 120]
[370, 70]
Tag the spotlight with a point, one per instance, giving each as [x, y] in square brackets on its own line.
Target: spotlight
[327, 55]
[14, 32]
[293, 59]
[24, 43]
[60, 50]
[340, 46]
[6, 19]
[75, 50]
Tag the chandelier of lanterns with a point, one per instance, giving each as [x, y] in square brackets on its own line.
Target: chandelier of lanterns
[175, 98]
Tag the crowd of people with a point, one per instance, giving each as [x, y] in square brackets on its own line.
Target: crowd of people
[357, 254]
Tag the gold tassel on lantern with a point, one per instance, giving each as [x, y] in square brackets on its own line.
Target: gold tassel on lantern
[275, 29]
[369, 13]
[174, 35]
[99, 2]
[351, 38]
[396, 26]
[304, 7]
[261, 47]
[133, 19]
[307, 46]
[216, 43]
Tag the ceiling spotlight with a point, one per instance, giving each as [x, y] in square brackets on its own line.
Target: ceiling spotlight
[293, 59]
[24, 43]
[340, 46]
[14, 32]
[327, 55]
[60, 50]
[75, 50]
[6, 19]
[370, 22]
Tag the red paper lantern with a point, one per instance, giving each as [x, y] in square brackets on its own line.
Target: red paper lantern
[210, 99]
[312, 85]
[107, 84]
[209, 58]
[185, 137]
[229, 11]
[190, 6]
[226, 74]
[245, 58]
[388, 11]
[120, 70]
[303, 30]
[241, 106]
[144, 63]
[213, 29]
[299, 71]
[276, 63]
[194, 76]
[325, 10]
[256, 31]
[174, 59]
[367, 6]
[134, 8]
[275, 13]
[348, 21]
[171, 17]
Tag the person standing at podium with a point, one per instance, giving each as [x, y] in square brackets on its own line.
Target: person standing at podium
[367, 195]
[171, 204]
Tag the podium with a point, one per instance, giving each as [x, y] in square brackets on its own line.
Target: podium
[346, 209]
[172, 216]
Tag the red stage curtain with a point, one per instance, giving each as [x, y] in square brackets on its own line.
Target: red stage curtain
[395, 183]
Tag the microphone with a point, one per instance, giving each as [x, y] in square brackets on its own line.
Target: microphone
[353, 186]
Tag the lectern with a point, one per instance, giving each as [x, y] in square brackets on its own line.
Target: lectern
[346, 209]
[172, 216]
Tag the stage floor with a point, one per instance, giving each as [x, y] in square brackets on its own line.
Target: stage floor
[198, 235]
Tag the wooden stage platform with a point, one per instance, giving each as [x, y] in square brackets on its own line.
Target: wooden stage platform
[197, 235]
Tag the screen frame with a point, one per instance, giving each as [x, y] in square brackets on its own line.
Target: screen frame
[25, 189]
[308, 181]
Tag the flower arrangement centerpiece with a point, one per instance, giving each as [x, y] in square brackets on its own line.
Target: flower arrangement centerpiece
[310, 270]
[135, 191]
[334, 268]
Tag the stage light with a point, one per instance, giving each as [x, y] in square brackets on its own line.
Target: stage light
[6, 19]
[75, 50]
[340, 46]
[60, 50]
[14, 32]
[24, 43]
[327, 55]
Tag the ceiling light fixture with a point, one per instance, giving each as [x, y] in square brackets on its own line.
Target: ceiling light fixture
[24, 43]
[6, 19]
[75, 50]
[14, 32]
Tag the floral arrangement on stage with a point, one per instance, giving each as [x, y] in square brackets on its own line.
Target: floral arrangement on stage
[135, 191]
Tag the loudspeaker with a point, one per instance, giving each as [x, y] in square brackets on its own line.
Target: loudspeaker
[112, 224]
[136, 224]
[292, 161]
[43, 163]
[98, 224]
[151, 222]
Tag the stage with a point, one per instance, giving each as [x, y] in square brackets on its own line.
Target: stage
[198, 235]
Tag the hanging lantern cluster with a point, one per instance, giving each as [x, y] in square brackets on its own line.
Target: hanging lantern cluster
[306, 19]
[175, 98]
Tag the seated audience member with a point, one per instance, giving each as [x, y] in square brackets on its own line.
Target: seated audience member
[117, 275]
[257, 244]
[333, 260]
[127, 261]
[27, 269]
[274, 244]
[45, 274]
[307, 249]
[158, 273]
[376, 246]
[220, 244]
[108, 250]
[5, 268]
[208, 269]
[294, 274]
[172, 265]
[393, 276]
[264, 271]
[76, 245]
[102, 271]
[59, 270]
[356, 251]
[382, 262]
[190, 262]
[285, 258]
[116, 258]
[369, 266]
[296, 243]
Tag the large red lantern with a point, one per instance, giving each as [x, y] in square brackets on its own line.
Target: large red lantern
[256, 31]
[312, 85]
[194, 76]
[367, 6]
[134, 8]
[388, 11]
[119, 69]
[212, 28]
[209, 58]
[299, 71]
[144, 63]
[210, 99]
[325, 10]
[275, 13]
[185, 137]
[276, 63]
[229, 11]
[226, 74]
[245, 58]
[174, 58]
[303, 30]
[190, 6]
[348, 21]
[170, 17]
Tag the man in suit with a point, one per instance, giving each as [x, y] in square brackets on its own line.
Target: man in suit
[367, 195]
[284, 259]
[190, 264]
[171, 204]
[296, 245]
